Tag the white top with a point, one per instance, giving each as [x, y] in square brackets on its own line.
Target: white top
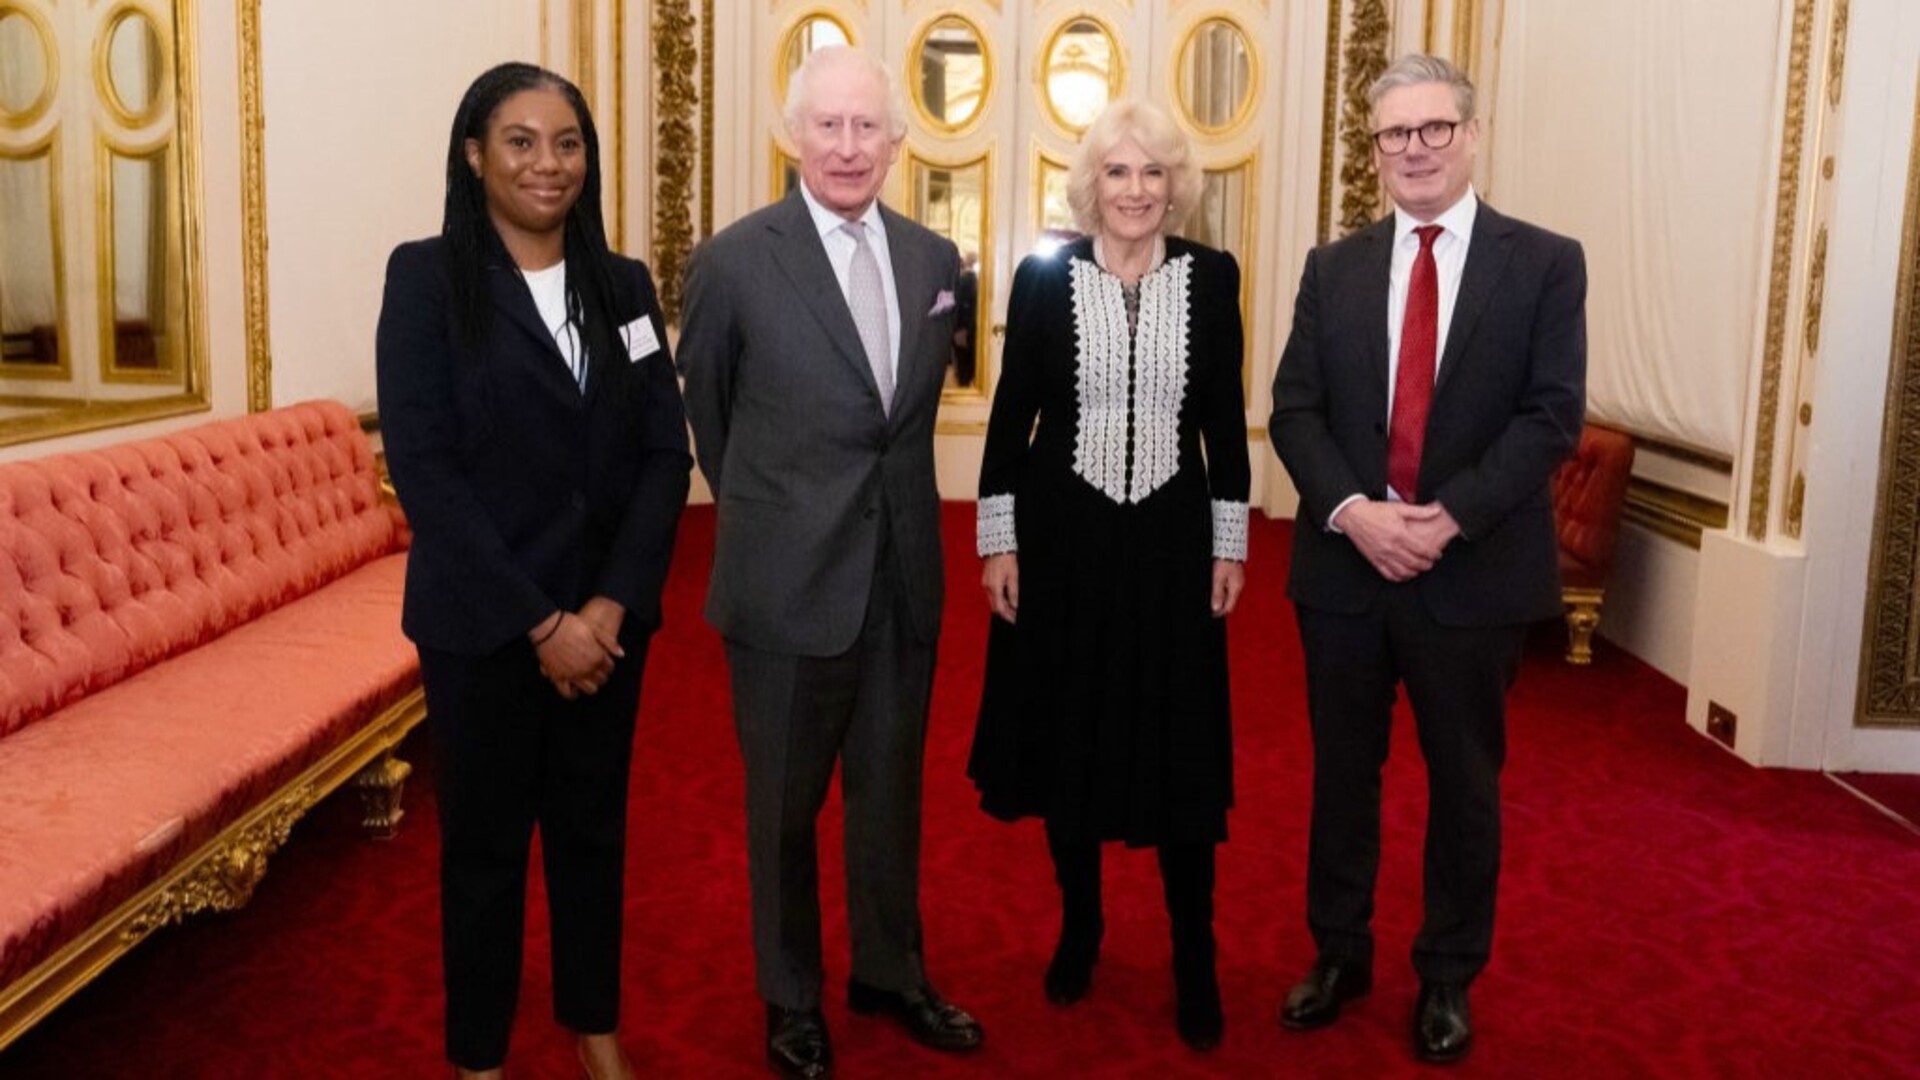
[840, 248]
[549, 288]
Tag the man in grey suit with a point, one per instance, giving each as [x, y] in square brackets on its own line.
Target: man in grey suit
[814, 343]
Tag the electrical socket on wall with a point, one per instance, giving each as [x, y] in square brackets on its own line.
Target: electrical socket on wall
[1721, 723]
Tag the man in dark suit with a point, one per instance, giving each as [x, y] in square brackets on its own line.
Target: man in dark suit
[1434, 378]
[814, 344]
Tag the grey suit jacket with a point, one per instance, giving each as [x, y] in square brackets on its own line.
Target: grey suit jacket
[789, 430]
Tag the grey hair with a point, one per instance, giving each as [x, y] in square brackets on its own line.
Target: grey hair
[801, 84]
[1415, 69]
[1165, 144]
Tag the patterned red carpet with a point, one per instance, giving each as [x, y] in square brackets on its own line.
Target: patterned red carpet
[1666, 911]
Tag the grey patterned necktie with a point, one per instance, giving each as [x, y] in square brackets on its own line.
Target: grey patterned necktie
[867, 298]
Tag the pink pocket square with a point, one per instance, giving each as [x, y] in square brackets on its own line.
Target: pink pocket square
[942, 303]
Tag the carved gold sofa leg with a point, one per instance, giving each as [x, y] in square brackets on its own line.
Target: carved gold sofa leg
[1583, 618]
[380, 785]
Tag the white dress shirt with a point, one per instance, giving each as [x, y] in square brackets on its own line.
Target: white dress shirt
[840, 248]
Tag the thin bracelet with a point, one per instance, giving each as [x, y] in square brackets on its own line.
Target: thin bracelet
[548, 636]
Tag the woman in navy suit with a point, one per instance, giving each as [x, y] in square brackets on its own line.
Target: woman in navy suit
[535, 433]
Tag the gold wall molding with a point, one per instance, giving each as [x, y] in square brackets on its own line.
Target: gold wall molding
[673, 60]
[620, 125]
[1889, 686]
[1837, 53]
[1329, 121]
[1786, 212]
[1679, 516]
[1363, 59]
[253, 212]
[706, 118]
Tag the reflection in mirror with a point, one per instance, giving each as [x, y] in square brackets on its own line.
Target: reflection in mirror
[786, 173]
[133, 66]
[810, 33]
[953, 73]
[26, 84]
[1082, 72]
[1053, 220]
[1216, 75]
[29, 275]
[1220, 221]
[136, 339]
[110, 335]
[951, 200]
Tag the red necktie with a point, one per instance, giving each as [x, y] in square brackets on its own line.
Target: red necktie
[1413, 382]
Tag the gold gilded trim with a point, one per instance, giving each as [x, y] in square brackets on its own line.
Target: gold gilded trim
[706, 118]
[104, 88]
[982, 308]
[789, 41]
[1816, 294]
[26, 117]
[584, 43]
[673, 60]
[1786, 212]
[1837, 51]
[1680, 516]
[253, 212]
[1365, 58]
[620, 125]
[1329, 116]
[162, 158]
[1888, 694]
[61, 370]
[1116, 68]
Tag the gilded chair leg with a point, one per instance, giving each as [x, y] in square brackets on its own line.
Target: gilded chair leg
[1583, 618]
[380, 785]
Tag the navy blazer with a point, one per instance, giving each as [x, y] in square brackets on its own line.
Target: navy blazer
[524, 494]
[1508, 403]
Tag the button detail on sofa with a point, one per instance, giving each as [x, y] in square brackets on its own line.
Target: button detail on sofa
[1589, 497]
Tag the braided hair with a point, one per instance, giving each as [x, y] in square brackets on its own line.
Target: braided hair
[472, 243]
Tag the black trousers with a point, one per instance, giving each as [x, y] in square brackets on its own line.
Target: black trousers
[1457, 680]
[510, 754]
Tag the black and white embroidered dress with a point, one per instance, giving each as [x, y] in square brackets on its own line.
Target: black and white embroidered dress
[1105, 707]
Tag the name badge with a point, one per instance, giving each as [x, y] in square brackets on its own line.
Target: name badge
[640, 339]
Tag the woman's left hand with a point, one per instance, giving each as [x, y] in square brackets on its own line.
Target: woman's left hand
[1229, 578]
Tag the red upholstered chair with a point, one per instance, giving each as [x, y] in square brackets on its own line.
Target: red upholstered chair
[1589, 496]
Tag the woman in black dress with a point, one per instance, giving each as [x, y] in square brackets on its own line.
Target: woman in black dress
[535, 433]
[1114, 548]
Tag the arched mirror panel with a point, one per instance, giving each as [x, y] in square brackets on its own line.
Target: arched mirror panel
[1081, 70]
[1215, 77]
[951, 74]
[100, 309]
[813, 31]
[955, 201]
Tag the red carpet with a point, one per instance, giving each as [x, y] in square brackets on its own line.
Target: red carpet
[1897, 793]
[1666, 911]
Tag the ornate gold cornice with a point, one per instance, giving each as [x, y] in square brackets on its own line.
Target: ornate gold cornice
[1889, 688]
[224, 879]
[253, 212]
[1786, 212]
[673, 60]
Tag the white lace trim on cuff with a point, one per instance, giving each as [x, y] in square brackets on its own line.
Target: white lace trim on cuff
[994, 526]
[1229, 530]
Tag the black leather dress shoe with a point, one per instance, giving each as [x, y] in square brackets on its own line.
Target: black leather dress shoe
[1332, 982]
[1442, 1031]
[930, 1019]
[797, 1043]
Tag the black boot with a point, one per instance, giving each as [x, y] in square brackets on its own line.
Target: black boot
[1186, 870]
[1076, 866]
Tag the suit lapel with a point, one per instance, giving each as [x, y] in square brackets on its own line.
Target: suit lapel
[511, 297]
[911, 286]
[802, 257]
[1487, 258]
[1371, 293]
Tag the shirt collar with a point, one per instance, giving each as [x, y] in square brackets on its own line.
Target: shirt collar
[829, 222]
[1455, 220]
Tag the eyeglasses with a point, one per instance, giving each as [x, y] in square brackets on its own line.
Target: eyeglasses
[1434, 135]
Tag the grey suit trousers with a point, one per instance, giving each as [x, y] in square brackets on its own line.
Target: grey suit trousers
[795, 716]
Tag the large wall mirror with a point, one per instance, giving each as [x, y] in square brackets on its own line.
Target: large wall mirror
[952, 74]
[1215, 80]
[955, 201]
[1081, 71]
[100, 318]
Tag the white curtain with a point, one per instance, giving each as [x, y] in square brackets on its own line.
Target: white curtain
[1641, 127]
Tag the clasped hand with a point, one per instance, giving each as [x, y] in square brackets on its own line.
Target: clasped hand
[1402, 541]
[1000, 577]
[577, 656]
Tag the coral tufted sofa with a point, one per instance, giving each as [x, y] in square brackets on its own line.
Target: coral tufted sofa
[199, 638]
